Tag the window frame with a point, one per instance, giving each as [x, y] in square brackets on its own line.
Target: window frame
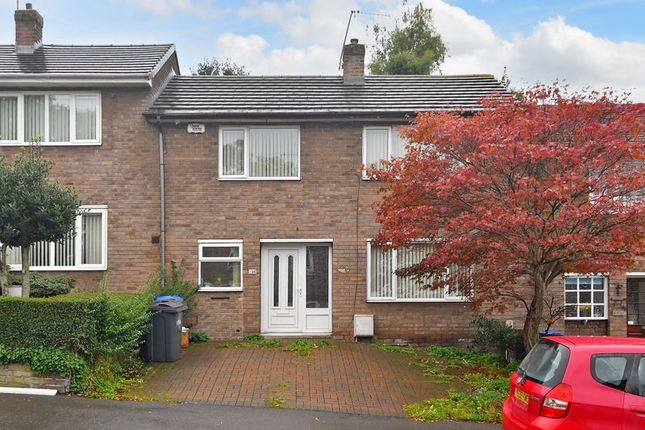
[245, 176]
[78, 226]
[391, 129]
[605, 291]
[72, 120]
[448, 298]
[219, 243]
[629, 362]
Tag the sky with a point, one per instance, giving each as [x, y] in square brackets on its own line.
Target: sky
[585, 43]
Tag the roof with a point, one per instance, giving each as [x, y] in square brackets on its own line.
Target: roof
[65, 63]
[270, 96]
[601, 342]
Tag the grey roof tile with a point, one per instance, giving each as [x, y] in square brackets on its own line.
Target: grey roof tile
[203, 96]
[74, 60]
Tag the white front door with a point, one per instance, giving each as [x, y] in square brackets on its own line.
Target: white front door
[284, 289]
[296, 289]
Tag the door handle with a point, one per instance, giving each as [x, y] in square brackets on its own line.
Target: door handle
[638, 409]
[300, 292]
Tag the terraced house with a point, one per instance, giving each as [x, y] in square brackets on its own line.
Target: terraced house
[255, 182]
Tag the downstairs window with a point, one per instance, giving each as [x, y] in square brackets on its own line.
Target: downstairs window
[384, 285]
[84, 248]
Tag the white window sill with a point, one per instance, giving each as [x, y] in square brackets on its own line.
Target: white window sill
[72, 144]
[417, 300]
[258, 179]
[586, 319]
[219, 290]
[61, 269]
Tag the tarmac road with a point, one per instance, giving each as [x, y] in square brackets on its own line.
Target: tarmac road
[21, 412]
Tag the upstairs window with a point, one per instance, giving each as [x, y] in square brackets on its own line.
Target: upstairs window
[385, 285]
[50, 118]
[260, 153]
[84, 248]
[382, 144]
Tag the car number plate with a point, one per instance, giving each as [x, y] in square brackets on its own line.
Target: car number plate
[522, 397]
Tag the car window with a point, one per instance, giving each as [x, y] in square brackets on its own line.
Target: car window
[610, 370]
[641, 377]
[545, 363]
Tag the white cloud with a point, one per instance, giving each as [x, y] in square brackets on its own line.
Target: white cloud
[252, 52]
[552, 50]
[166, 7]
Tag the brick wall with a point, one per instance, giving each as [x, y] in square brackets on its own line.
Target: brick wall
[321, 205]
[122, 173]
[21, 376]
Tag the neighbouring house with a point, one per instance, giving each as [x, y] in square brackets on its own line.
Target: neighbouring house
[255, 182]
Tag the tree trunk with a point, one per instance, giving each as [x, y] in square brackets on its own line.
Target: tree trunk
[531, 331]
[26, 281]
[4, 270]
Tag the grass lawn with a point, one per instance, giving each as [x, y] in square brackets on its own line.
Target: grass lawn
[477, 382]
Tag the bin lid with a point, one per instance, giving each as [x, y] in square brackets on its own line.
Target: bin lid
[169, 306]
[166, 298]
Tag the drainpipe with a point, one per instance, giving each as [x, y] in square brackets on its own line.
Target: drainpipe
[162, 206]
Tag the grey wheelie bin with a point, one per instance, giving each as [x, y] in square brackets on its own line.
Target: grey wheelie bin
[163, 342]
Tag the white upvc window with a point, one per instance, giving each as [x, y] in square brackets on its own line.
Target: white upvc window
[259, 153]
[384, 285]
[84, 248]
[220, 265]
[585, 297]
[380, 144]
[50, 118]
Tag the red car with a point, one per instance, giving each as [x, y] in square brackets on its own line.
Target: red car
[571, 382]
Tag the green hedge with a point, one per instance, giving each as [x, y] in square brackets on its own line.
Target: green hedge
[89, 324]
[49, 360]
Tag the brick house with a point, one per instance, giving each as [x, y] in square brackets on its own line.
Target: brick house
[254, 182]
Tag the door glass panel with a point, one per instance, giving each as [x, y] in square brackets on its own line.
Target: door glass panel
[290, 282]
[317, 276]
[636, 301]
[276, 281]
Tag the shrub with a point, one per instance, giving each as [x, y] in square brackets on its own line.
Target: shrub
[495, 336]
[49, 286]
[89, 324]
[49, 360]
[176, 284]
[198, 337]
[68, 322]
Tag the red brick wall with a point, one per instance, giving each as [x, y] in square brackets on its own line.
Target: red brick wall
[321, 205]
[122, 173]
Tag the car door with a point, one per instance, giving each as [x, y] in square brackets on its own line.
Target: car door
[599, 403]
[634, 403]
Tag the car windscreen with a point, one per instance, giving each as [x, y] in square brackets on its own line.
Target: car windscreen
[545, 363]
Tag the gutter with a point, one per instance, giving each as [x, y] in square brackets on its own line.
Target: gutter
[66, 80]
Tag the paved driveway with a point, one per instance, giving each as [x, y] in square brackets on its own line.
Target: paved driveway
[347, 377]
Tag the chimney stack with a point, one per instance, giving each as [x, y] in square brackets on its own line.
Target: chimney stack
[354, 63]
[29, 30]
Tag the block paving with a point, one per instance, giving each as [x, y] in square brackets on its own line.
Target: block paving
[346, 377]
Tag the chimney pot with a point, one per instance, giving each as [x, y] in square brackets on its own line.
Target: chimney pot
[354, 63]
[29, 30]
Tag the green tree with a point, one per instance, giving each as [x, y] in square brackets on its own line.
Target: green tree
[215, 67]
[414, 48]
[32, 209]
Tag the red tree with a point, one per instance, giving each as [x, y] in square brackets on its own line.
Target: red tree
[524, 191]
